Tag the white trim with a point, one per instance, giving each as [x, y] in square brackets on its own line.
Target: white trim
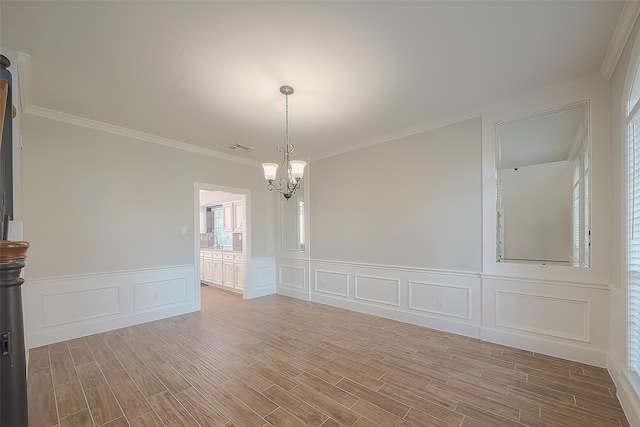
[39, 280]
[129, 133]
[296, 286]
[391, 280]
[24, 71]
[260, 285]
[586, 337]
[248, 288]
[625, 390]
[337, 273]
[390, 312]
[564, 350]
[402, 133]
[26, 97]
[511, 277]
[411, 305]
[397, 268]
[63, 297]
[620, 37]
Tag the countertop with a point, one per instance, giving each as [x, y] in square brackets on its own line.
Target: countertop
[231, 251]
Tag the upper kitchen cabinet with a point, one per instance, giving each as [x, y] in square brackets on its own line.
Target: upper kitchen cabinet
[233, 217]
[238, 216]
[227, 217]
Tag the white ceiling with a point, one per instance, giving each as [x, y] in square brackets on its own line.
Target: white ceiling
[208, 73]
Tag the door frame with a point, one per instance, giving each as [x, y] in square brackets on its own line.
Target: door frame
[246, 195]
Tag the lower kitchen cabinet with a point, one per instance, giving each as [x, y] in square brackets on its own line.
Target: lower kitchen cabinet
[217, 271]
[222, 269]
[239, 276]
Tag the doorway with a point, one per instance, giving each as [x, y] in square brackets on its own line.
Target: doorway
[222, 237]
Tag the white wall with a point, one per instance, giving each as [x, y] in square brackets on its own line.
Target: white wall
[395, 231]
[411, 202]
[104, 213]
[406, 230]
[111, 203]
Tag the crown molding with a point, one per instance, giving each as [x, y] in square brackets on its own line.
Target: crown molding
[24, 80]
[24, 70]
[455, 118]
[414, 130]
[129, 133]
[621, 34]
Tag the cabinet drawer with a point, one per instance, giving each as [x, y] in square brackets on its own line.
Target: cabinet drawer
[227, 257]
[238, 258]
[205, 254]
[217, 255]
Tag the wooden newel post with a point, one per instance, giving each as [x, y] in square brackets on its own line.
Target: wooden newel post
[13, 372]
[13, 366]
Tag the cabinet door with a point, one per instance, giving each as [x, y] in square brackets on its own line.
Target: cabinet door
[227, 274]
[238, 216]
[201, 269]
[239, 275]
[227, 217]
[208, 270]
[217, 272]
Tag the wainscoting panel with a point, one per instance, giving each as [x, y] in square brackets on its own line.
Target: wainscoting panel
[445, 300]
[61, 308]
[262, 278]
[78, 306]
[543, 314]
[381, 290]
[331, 282]
[293, 276]
[407, 294]
[155, 294]
[559, 318]
[563, 319]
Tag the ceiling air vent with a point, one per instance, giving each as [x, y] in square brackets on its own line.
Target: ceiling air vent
[241, 147]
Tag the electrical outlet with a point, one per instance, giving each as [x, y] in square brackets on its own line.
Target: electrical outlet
[183, 229]
[440, 301]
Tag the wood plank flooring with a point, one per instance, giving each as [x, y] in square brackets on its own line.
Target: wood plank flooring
[277, 361]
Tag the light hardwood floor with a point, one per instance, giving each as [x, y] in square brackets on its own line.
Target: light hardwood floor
[278, 361]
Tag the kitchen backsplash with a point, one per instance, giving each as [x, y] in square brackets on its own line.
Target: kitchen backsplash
[208, 240]
[237, 242]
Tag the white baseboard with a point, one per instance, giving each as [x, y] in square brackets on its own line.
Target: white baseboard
[629, 399]
[293, 293]
[563, 349]
[260, 292]
[558, 319]
[426, 321]
[62, 308]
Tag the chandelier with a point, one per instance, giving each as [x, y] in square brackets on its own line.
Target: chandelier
[292, 170]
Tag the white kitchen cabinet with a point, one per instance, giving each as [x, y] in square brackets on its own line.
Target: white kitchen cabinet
[238, 271]
[238, 217]
[227, 271]
[233, 217]
[201, 266]
[224, 269]
[217, 269]
[207, 267]
[227, 217]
